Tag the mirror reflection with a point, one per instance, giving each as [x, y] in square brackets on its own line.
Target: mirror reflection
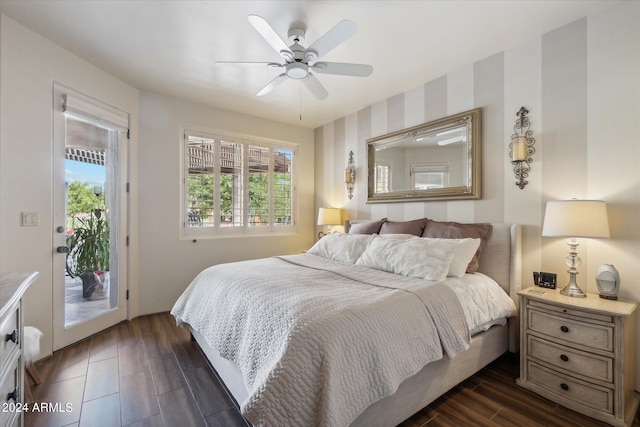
[437, 160]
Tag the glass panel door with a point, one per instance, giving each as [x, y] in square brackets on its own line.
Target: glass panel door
[89, 207]
[90, 225]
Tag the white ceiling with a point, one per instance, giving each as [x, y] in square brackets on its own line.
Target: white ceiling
[171, 47]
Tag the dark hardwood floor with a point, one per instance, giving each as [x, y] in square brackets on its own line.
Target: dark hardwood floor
[148, 372]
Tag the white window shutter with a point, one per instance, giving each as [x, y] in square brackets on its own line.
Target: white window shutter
[97, 113]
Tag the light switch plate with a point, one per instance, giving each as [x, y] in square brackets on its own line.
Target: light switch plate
[29, 219]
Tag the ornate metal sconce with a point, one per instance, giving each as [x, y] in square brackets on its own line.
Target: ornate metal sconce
[350, 175]
[521, 146]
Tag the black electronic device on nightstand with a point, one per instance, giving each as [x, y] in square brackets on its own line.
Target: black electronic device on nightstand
[544, 280]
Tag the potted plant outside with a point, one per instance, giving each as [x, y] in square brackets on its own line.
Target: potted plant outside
[89, 249]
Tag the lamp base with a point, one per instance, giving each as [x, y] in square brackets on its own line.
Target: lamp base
[573, 261]
[572, 289]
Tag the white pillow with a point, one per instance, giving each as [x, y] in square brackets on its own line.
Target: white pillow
[427, 259]
[464, 251]
[398, 236]
[341, 247]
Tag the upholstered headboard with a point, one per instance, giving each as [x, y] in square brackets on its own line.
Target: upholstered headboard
[501, 260]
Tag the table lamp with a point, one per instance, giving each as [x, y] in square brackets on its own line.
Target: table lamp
[329, 216]
[575, 218]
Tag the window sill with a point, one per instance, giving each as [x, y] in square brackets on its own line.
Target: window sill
[238, 235]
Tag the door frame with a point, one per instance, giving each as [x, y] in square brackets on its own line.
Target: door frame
[101, 114]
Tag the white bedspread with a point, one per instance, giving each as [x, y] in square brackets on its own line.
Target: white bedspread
[483, 301]
[317, 347]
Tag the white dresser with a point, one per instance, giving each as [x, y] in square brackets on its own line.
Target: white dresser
[12, 289]
[579, 353]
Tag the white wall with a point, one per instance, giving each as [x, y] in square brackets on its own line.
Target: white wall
[29, 64]
[581, 85]
[167, 263]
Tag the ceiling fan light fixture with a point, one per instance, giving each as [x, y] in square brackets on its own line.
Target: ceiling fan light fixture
[297, 70]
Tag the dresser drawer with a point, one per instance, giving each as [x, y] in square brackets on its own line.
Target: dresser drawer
[571, 360]
[9, 328]
[15, 420]
[8, 385]
[591, 395]
[572, 331]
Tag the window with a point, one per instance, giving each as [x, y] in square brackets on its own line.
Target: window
[237, 185]
[426, 176]
[383, 177]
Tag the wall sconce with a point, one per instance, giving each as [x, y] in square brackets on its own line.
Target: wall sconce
[329, 216]
[521, 146]
[350, 175]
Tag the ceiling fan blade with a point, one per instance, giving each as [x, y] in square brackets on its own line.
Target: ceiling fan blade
[343, 69]
[269, 34]
[251, 64]
[338, 34]
[272, 84]
[315, 87]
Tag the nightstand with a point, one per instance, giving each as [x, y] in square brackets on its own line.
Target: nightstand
[579, 353]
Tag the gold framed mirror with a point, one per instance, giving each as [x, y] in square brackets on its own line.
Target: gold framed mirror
[438, 160]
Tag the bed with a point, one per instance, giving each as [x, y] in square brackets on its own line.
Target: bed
[326, 344]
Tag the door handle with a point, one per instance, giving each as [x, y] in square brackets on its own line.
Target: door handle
[62, 249]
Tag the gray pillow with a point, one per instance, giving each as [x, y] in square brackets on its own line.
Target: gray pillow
[372, 227]
[414, 227]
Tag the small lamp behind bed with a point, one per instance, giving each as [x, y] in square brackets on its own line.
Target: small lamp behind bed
[329, 216]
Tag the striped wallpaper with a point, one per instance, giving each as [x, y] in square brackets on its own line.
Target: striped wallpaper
[581, 85]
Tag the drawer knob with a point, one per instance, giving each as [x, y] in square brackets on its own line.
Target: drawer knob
[564, 386]
[15, 395]
[13, 336]
[564, 357]
[564, 329]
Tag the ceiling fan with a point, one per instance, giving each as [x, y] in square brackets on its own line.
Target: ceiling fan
[302, 63]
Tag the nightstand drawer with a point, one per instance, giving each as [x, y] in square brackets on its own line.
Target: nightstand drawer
[567, 359]
[589, 335]
[593, 396]
[572, 312]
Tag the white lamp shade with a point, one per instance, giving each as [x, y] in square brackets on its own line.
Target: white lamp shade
[329, 216]
[576, 218]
